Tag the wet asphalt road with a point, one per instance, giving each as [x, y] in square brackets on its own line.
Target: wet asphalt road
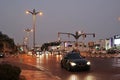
[101, 68]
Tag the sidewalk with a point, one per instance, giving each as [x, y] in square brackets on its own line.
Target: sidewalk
[29, 71]
[37, 75]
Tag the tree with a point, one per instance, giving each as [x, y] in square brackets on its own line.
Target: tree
[6, 42]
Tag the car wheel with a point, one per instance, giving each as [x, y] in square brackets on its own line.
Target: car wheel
[68, 68]
[88, 69]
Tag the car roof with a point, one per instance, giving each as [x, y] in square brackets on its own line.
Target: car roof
[72, 53]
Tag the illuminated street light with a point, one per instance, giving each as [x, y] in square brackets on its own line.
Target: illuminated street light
[118, 18]
[27, 35]
[34, 13]
[77, 35]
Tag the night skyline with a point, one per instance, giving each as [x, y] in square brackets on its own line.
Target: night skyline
[91, 16]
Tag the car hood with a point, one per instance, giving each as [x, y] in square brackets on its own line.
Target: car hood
[78, 60]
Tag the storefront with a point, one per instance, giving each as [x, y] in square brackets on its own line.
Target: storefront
[109, 43]
[117, 41]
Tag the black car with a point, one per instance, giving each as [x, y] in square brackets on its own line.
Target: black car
[74, 61]
[113, 51]
[1, 55]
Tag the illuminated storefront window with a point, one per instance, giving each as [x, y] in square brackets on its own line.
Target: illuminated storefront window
[116, 40]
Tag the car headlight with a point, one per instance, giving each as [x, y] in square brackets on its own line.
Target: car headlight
[88, 63]
[72, 64]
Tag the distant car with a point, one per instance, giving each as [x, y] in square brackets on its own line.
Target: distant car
[111, 51]
[2, 55]
[74, 61]
[38, 52]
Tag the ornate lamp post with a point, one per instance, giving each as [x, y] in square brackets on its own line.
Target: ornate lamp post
[27, 35]
[34, 13]
[76, 35]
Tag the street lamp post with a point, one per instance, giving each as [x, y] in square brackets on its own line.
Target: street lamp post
[76, 35]
[34, 13]
[27, 35]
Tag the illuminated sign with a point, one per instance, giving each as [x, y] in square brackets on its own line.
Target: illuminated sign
[116, 36]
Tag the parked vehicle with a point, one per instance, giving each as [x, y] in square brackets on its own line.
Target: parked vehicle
[74, 61]
[113, 51]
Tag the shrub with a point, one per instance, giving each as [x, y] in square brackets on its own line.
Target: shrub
[9, 72]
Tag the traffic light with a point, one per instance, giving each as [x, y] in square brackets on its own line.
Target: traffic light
[93, 35]
[58, 34]
[85, 35]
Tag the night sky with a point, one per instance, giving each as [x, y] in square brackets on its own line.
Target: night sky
[91, 16]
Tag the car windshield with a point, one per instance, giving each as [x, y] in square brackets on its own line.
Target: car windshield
[74, 56]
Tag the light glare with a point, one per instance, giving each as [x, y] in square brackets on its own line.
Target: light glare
[40, 13]
[88, 63]
[73, 64]
[27, 12]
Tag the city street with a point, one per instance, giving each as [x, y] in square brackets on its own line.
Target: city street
[35, 37]
[101, 69]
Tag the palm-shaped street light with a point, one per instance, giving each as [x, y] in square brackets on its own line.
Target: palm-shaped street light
[34, 13]
[76, 35]
[27, 35]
